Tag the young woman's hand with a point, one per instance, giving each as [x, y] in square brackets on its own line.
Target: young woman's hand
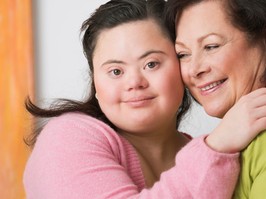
[241, 124]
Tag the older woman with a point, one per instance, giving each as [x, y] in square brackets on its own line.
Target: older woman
[221, 46]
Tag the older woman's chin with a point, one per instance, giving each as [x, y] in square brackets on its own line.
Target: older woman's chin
[214, 111]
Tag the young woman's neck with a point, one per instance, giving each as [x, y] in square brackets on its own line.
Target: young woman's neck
[156, 151]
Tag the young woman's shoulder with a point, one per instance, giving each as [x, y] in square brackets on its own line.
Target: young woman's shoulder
[72, 131]
[79, 120]
[77, 124]
[70, 151]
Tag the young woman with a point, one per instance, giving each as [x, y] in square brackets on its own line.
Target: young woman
[221, 46]
[122, 142]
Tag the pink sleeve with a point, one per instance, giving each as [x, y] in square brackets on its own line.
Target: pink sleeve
[70, 161]
[207, 173]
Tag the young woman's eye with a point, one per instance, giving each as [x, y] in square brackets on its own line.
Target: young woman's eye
[116, 72]
[151, 65]
[211, 47]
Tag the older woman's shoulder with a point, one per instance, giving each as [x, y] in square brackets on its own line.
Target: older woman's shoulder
[254, 154]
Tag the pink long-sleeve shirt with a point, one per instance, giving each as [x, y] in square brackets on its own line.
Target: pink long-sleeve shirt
[77, 156]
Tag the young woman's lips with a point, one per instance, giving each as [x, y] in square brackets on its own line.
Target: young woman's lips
[211, 87]
[139, 101]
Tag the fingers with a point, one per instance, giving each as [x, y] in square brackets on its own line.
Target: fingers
[259, 126]
[256, 98]
[259, 112]
[241, 124]
[257, 92]
[253, 102]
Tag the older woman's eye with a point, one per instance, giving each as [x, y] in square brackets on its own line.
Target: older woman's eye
[181, 55]
[211, 47]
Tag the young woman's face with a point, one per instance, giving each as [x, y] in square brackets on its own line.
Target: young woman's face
[218, 64]
[137, 77]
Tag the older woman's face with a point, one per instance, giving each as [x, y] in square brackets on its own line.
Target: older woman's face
[218, 64]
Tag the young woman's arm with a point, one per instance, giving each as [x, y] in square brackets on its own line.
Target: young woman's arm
[77, 156]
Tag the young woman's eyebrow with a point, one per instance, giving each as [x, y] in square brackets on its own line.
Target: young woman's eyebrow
[112, 61]
[115, 61]
[151, 52]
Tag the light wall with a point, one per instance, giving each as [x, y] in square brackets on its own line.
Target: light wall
[61, 68]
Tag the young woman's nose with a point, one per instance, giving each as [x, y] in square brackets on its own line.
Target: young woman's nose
[136, 80]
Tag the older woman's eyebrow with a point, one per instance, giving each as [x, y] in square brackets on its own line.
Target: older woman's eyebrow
[208, 35]
[179, 43]
[200, 39]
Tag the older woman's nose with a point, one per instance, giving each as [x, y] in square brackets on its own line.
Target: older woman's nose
[198, 67]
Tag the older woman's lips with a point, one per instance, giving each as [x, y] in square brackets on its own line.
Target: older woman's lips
[211, 87]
